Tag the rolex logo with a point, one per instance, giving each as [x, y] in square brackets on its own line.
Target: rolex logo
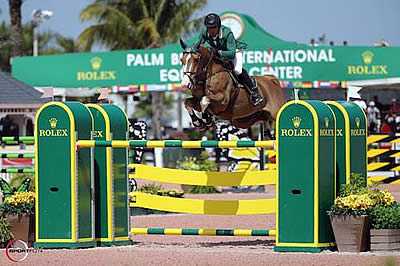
[367, 57]
[53, 122]
[326, 120]
[296, 121]
[96, 63]
[357, 122]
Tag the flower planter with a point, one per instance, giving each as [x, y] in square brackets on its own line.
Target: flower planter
[22, 227]
[385, 240]
[351, 233]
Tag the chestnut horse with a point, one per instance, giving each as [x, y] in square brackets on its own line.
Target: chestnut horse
[214, 92]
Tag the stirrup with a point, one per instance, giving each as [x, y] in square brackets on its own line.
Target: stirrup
[256, 99]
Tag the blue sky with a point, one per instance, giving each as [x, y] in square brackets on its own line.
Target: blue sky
[360, 22]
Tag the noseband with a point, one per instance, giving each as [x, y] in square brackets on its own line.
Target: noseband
[193, 76]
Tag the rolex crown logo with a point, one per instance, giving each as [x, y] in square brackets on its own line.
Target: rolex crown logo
[296, 121]
[96, 63]
[367, 57]
[53, 122]
[326, 120]
[357, 122]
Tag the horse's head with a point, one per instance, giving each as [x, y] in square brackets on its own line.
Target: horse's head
[192, 61]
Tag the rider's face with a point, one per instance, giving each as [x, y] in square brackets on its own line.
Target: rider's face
[213, 31]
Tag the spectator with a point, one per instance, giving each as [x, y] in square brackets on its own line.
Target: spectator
[395, 107]
[373, 115]
[378, 104]
[362, 104]
[385, 128]
[382, 43]
[397, 123]
[313, 43]
[344, 43]
[392, 122]
[331, 43]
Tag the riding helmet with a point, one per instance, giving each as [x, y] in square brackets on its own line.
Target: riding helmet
[212, 20]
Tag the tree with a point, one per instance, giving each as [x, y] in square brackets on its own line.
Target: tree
[16, 26]
[139, 24]
[62, 45]
[49, 43]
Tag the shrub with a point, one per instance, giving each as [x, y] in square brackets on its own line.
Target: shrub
[5, 232]
[385, 217]
[203, 164]
[160, 191]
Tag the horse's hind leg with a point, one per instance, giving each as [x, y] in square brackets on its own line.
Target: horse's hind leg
[192, 104]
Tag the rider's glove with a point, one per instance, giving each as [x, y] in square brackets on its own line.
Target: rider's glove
[215, 52]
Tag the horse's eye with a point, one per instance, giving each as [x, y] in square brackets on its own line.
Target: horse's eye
[196, 60]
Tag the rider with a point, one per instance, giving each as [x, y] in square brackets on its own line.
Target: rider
[223, 44]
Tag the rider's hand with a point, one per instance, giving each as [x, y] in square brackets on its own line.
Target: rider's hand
[214, 52]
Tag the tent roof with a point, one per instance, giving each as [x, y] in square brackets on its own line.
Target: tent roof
[14, 91]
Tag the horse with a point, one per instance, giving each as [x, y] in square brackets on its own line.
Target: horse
[215, 92]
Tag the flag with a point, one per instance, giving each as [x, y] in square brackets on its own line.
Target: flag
[352, 92]
[324, 84]
[47, 92]
[306, 84]
[104, 94]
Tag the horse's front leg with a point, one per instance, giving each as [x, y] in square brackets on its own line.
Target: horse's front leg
[208, 119]
[192, 104]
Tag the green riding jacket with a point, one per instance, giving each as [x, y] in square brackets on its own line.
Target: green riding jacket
[226, 43]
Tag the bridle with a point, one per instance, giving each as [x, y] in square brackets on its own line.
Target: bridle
[193, 76]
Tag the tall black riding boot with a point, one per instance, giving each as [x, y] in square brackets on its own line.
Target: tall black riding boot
[251, 87]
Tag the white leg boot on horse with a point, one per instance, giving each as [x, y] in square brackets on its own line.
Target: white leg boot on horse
[205, 122]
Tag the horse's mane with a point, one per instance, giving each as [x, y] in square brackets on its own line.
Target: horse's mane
[205, 53]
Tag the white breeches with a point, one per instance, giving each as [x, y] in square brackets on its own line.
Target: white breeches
[238, 62]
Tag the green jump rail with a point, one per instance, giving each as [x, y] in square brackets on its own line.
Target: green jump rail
[17, 170]
[17, 156]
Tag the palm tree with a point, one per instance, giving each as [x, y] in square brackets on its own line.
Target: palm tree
[16, 26]
[139, 24]
[62, 45]
[49, 43]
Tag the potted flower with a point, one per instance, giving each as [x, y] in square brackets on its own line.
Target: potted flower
[385, 225]
[349, 214]
[19, 210]
[201, 164]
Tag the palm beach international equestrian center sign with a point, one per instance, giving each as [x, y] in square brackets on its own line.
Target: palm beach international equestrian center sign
[296, 65]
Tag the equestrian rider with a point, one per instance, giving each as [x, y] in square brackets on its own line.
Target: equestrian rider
[223, 44]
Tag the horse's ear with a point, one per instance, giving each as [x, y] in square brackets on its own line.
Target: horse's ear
[183, 44]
